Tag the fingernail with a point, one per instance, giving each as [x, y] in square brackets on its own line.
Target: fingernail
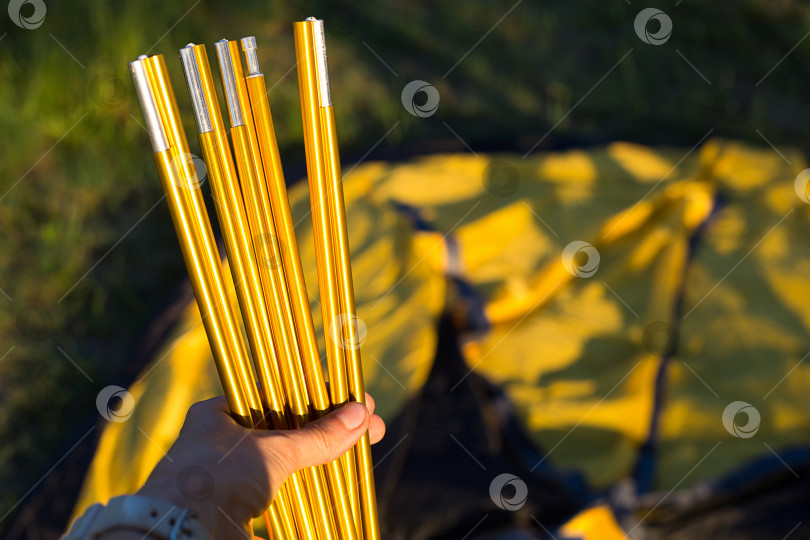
[352, 415]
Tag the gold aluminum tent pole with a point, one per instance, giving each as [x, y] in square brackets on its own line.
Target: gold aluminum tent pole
[231, 213]
[336, 500]
[193, 229]
[180, 183]
[338, 385]
[315, 519]
[329, 221]
[251, 93]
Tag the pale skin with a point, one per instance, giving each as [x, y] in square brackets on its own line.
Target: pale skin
[244, 469]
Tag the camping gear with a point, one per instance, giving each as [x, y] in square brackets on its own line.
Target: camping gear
[287, 389]
[463, 241]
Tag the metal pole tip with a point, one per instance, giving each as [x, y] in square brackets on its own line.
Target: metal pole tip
[251, 55]
[249, 42]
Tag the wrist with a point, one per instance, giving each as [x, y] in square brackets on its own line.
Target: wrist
[150, 517]
[166, 488]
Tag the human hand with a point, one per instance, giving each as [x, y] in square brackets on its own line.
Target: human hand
[229, 474]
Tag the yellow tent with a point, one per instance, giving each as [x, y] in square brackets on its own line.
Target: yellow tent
[631, 297]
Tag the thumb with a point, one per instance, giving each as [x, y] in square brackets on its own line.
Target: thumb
[321, 441]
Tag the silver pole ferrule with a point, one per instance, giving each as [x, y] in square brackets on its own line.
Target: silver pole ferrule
[229, 83]
[319, 43]
[195, 90]
[157, 135]
[251, 56]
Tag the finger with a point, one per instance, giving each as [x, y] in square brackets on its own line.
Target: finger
[376, 429]
[218, 403]
[370, 405]
[321, 441]
[208, 407]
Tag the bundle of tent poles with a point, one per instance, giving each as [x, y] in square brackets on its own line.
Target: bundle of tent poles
[283, 387]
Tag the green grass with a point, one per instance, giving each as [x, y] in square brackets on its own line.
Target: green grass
[87, 274]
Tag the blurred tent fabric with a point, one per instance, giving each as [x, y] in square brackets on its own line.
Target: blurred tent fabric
[619, 377]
